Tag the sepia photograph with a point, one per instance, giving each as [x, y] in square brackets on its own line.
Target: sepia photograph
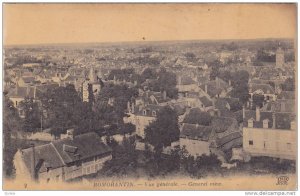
[149, 96]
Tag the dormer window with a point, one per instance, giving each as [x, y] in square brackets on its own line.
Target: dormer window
[153, 113]
[266, 123]
[250, 123]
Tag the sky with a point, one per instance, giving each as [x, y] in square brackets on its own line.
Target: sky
[85, 23]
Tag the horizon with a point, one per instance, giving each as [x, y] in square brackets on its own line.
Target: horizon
[40, 24]
[146, 42]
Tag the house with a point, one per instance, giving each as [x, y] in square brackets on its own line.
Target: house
[195, 138]
[25, 81]
[265, 90]
[186, 84]
[62, 160]
[271, 134]
[216, 88]
[141, 116]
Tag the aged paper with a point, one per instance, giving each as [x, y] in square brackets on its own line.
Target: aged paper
[160, 96]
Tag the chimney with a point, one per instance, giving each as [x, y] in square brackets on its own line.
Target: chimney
[179, 80]
[164, 95]
[257, 113]
[205, 88]
[132, 108]
[70, 134]
[128, 107]
[244, 112]
[34, 92]
[274, 121]
[33, 172]
[27, 90]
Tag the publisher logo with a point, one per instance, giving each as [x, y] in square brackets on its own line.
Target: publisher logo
[282, 180]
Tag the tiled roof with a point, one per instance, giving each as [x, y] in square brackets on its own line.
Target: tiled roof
[22, 92]
[221, 124]
[53, 154]
[194, 116]
[206, 102]
[228, 138]
[194, 131]
[282, 119]
[287, 95]
[88, 145]
[186, 80]
[45, 152]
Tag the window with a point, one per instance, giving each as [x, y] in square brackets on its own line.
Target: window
[250, 142]
[88, 170]
[289, 146]
[250, 123]
[144, 112]
[265, 145]
[57, 178]
[48, 180]
[16, 103]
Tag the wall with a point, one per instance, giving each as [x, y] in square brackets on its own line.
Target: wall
[195, 147]
[270, 142]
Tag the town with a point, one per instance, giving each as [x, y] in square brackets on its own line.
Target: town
[149, 109]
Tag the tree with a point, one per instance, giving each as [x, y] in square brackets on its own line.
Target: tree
[240, 86]
[166, 82]
[124, 159]
[164, 130]
[216, 64]
[11, 123]
[32, 115]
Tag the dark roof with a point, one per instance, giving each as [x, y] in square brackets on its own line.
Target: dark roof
[194, 116]
[194, 131]
[139, 110]
[186, 80]
[206, 102]
[47, 153]
[28, 79]
[282, 119]
[88, 145]
[221, 124]
[22, 92]
[228, 138]
[283, 105]
[287, 95]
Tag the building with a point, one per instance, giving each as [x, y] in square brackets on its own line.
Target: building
[270, 134]
[141, 116]
[195, 138]
[62, 160]
[279, 57]
[91, 87]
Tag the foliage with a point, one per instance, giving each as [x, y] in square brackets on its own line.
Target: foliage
[11, 123]
[164, 130]
[32, 115]
[124, 159]
[240, 86]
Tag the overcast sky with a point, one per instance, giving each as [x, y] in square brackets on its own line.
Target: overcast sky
[74, 23]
